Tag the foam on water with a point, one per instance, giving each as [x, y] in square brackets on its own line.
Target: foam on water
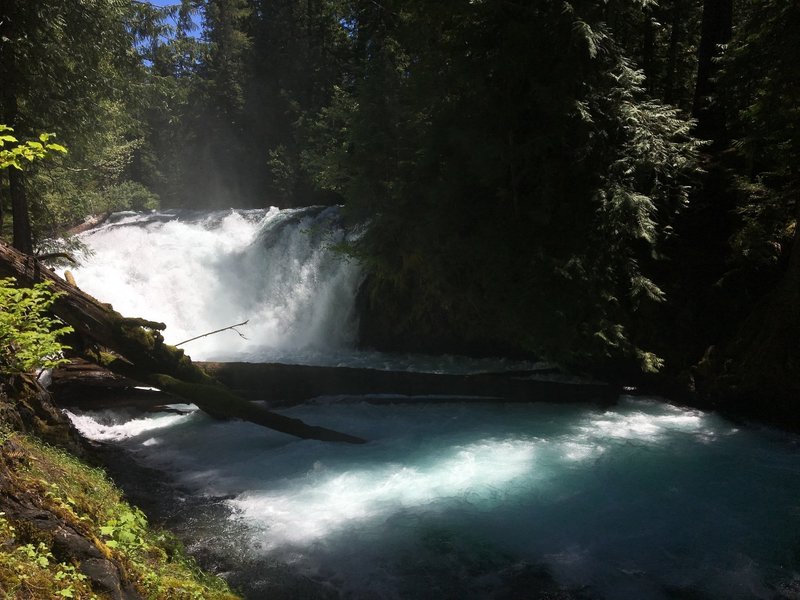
[198, 272]
[108, 426]
[326, 502]
[642, 501]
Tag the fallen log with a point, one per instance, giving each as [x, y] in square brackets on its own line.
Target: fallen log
[86, 385]
[290, 384]
[90, 223]
[138, 351]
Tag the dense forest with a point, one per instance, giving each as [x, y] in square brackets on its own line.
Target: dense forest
[610, 185]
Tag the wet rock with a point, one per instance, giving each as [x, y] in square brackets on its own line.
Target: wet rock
[106, 579]
[67, 544]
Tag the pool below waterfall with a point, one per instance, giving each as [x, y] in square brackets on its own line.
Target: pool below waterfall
[644, 500]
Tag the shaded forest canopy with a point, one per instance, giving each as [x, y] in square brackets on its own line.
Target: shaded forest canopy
[612, 185]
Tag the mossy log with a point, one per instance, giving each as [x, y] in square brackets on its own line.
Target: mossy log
[290, 384]
[139, 352]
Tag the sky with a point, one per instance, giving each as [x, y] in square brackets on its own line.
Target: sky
[161, 3]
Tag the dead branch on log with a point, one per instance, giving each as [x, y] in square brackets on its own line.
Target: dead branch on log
[52, 255]
[231, 327]
[139, 352]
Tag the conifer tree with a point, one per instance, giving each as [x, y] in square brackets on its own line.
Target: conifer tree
[63, 67]
[517, 178]
[761, 80]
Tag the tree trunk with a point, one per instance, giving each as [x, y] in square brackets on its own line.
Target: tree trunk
[141, 353]
[291, 384]
[23, 240]
[2, 204]
[649, 51]
[9, 104]
[716, 29]
[675, 36]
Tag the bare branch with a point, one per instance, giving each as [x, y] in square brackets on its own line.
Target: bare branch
[231, 327]
[52, 255]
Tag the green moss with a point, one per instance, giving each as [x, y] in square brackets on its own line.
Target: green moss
[31, 571]
[85, 499]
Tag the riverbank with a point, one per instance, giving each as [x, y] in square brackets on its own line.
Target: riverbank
[66, 530]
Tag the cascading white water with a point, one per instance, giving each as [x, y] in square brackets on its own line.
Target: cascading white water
[198, 272]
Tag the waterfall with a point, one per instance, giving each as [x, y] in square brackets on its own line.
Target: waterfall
[198, 272]
[282, 270]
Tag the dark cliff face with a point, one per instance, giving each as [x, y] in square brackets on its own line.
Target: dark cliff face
[388, 321]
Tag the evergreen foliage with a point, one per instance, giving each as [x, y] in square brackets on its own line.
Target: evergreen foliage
[758, 361]
[517, 178]
[68, 67]
[762, 84]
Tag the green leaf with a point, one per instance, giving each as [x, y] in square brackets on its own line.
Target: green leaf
[57, 148]
[126, 537]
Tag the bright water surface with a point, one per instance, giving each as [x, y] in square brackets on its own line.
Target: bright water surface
[644, 500]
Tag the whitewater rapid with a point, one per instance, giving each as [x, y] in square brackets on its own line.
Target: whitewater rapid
[642, 501]
[283, 271]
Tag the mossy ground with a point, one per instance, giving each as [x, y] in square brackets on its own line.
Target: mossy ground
[35, 476]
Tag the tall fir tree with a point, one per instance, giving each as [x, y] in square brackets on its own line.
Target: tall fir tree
[65, 67]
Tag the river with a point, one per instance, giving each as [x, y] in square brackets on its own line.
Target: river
[447, 500]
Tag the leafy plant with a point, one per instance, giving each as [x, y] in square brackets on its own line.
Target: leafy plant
[29, 150]
[126, 529]
[30, 570]
[28, 335]
[83, 497]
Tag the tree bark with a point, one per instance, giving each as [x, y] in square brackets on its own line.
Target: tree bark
[141, 354]
[290, 384]
[9, 104]
[649, 51]
[2, 203]
[675, 38]
[23, 240]
[716, 29]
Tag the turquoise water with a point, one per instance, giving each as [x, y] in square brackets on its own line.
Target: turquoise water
[644, 500]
